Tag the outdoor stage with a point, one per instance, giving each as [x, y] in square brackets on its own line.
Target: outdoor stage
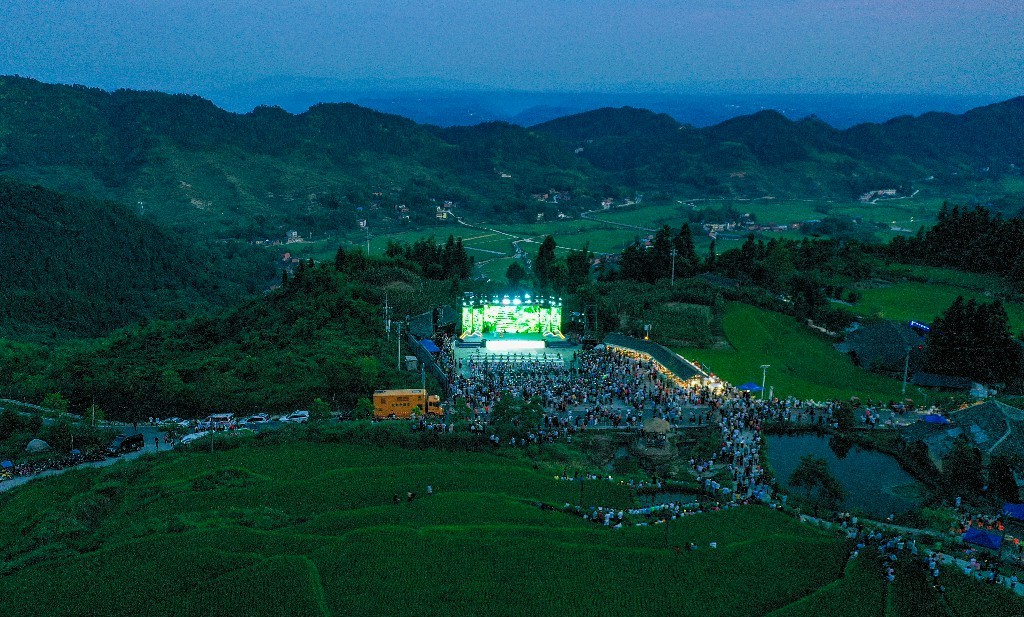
[513, 332]
[515, 349]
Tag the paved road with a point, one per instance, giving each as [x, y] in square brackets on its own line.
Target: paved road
[150, 447]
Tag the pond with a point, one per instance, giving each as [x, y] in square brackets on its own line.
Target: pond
[874, 482]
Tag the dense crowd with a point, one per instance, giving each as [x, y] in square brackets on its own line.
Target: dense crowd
[610, 388]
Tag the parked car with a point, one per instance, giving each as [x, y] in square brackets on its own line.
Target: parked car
[218, 421]
[299, 417]
[193, 436]
[258, 418]
[125, 443]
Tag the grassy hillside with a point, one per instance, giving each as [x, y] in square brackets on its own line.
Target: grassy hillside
[318, 337]
[803, 363]
[924, 302]
[82, 267]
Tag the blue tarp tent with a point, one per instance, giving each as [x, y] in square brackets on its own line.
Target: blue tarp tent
[934, 418]
[751, 387]
[430, 346]
[7, 464]
[1014, 510]
[983, 538]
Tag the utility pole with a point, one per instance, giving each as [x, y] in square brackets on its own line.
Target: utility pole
[387, 315]
[764, 377]
[906, 368]
[674, 251]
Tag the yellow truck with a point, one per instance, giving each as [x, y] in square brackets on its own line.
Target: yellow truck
[400, 403]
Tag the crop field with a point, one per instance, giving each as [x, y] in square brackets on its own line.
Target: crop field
[924, 301]
[486, 241]
[296, 528]
[303, 529]
[803, 363]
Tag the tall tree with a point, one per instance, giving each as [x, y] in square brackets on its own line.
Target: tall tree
[515, 273]
[687, 262]
[712, 258]
[961, 473]
[972, 339]
[544, 262]
[578, 266]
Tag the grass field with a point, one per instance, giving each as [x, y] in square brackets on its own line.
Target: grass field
[803, 363]
[924, 302]
[296, 528]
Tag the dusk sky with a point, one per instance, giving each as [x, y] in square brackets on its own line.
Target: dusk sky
[784, 46]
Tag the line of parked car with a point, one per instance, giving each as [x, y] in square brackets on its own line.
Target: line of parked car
[228, 422]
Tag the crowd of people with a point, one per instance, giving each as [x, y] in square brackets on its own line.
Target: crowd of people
[611, 388]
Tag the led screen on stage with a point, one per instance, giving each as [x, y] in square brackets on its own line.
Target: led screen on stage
[511, 318]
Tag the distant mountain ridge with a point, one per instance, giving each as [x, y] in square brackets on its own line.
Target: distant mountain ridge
[200, 169]
[768, 152]
[214, 174]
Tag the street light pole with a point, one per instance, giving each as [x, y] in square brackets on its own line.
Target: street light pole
[398, 335]
[674, 251]
[764, 377]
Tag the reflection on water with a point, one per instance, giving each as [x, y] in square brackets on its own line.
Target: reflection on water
[874, 482]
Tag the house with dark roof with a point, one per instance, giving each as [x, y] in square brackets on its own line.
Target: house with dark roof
[883, 346]
[994, 428]
[945, 382]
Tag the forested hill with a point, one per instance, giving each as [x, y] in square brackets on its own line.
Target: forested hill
[215, 174]
[80, 267]
[766, 152]
[201, 169]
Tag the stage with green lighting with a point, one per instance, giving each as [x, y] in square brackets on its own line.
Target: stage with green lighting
[484, 316]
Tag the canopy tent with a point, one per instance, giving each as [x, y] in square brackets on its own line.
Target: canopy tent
[983, 538]
[37, 445]
[1014, 510]
[6, 465]
[430, 346]
[934, 418]
[751, 387]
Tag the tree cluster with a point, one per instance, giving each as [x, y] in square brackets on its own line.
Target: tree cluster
[652, 263]
[435, 261]
[968, 239]
[554, 274]
[972, 339]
